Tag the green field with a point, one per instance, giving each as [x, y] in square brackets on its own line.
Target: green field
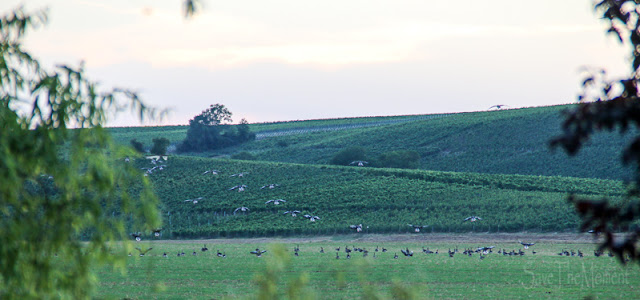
[427, 276]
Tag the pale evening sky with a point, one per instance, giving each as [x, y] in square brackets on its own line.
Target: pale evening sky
[278, 60]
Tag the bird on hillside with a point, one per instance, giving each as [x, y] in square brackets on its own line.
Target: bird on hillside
[239, 174]
[526, 245]
[472, 219]
[499, 106]
[258, 252]
[406, 252]
[142, 253]
[293, 212]
[416, 228]
[204, 248]
[275, 201]
[242, 209]
[194, 200]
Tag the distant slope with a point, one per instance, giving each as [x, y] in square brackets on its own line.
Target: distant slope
[385, 200]
[496, 142]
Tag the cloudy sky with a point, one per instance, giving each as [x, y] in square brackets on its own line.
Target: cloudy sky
[276, 60]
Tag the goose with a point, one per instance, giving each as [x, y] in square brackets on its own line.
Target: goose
[348, 256]
[194, 253]
[270, 186]
[384, 249]
[258, 252]
[377, 249]
[472, 219]
[313, 218]
[337, 255]
[526, 245]
[338, 249]
[239, 174]
[321, 250]
[275, 201]
[157, 232]
[137, 236]
[204, 249]
[395, 256]
[242, 209]
[358, 227]
[240, 188]
[499, 106]
[416, 228]
[126, 159]
[212, 172]
[142, 253]
[165, 255]
[359, 163]
[406, 252]
[194, 200]
[293, 213]
[219, 254]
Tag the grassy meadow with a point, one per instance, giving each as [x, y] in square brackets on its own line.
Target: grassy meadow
[322, 276]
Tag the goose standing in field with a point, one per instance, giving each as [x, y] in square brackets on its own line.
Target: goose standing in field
[204, 249]
[194, 200]
[258, 252]
[165, 255]
[416, 228]
[142, 253]
[395, 256]
[240, 188]
[526, 245]
[242, 209]
[293, 212]
[472, 219]
[275, 201]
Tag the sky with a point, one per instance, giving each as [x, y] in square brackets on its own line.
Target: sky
[281, 60]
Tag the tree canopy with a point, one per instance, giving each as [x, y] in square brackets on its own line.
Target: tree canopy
[208, 131]
[63, 180]
[611, 105]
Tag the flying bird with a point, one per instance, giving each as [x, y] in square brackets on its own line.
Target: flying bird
[258, 252]
[157, 232]
[270, 186]
[242, 209]
[275, 201]
[240, 188]
[472, 219]
[359, 163]
[212, 172]
[239, 174]
[416, 228]
[358, 227]
[499, 106]
[142, 253]
[293, 213]
[194, 200]
[527, 245]
[137, 236]
[312, 218]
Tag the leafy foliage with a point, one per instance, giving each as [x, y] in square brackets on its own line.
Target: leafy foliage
[611, 105]
[348, 155]
[208, 132]
[402, 159]
[138, 146]
[160, 146]
[59, 183]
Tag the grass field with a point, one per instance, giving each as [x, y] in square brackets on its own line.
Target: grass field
[427, 276]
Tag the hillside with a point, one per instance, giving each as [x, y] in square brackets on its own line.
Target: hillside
[495, 142]
[383, 200]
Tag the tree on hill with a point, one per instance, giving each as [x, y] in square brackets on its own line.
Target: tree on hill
[611, 105]
[160, 146]
[137, 145]
[209, 131]
[348, 155]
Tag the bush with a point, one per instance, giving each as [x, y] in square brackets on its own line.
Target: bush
[403, 159]
[348, 155]
[160, 146]
[138, 146]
